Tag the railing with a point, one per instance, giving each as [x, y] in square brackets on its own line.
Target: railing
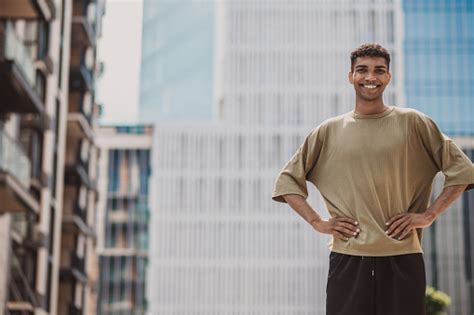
[21, 287]
[82, 77]
[86, 74]
[14, 160]
[80, 212]
[16, 50]
[77, 262]
[82, 163]
[20, 224]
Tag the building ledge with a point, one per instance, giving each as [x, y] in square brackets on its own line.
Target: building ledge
[15, 197]
[77, 224]
[79, 126]
[20, 307]
[27, 9]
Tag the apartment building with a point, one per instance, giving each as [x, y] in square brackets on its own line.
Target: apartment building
[79, 262]
[41, 123]
[123, 218]
[33, 74]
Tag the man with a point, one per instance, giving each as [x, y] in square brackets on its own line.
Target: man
[374, 167]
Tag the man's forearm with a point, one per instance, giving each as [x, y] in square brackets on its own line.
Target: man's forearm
[444, 200]
[302, 207]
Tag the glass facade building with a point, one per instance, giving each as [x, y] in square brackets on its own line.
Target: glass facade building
[177, 63]
[438, 49]
[439, 62]
[123, 219]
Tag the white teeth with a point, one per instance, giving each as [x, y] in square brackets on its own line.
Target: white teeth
[370, 86]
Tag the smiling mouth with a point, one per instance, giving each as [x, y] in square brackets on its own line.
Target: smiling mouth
[370, 86]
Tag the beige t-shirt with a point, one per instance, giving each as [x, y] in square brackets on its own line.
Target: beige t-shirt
[371, 168]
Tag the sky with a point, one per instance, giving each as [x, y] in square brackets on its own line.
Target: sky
[119, 49]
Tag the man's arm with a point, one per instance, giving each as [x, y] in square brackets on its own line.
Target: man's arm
[400, 225]
[342, 228]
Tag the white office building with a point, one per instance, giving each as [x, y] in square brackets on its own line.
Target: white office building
[219, 244]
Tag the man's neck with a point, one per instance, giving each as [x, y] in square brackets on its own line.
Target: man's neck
[370, 107]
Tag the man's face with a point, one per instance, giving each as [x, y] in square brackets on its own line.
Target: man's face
[370, 76]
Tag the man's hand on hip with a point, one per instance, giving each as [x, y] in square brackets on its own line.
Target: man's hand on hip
[402, 224]
[342, 228]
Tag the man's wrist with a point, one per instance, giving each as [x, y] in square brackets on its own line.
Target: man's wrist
[312, 222]
[430, 215]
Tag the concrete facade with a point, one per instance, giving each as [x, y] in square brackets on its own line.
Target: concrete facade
[219, 244]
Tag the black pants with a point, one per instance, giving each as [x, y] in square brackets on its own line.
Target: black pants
[364, 285]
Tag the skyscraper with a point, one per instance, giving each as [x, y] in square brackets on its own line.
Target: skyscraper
[438, 56]
[438, 53]
[123, 218]
[177, 63]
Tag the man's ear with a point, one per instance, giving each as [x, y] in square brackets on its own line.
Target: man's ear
[389, 76]
[350, 77]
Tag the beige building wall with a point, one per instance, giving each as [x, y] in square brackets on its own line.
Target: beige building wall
[78, 260]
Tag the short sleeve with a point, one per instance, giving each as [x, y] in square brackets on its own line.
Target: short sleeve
[447, 156]
[293, 176]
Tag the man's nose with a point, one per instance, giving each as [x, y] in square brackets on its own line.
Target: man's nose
[369, 76]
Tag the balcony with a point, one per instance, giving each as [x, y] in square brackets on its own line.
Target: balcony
[75, 269]
[27, 9]
[80, 78]
[77, 222]
[26, 233]
[23, 299]
[14, 177]
[83, 27]
[78, 264]
[17, 74]
[77, 173]
[38, 122]
[80, 116]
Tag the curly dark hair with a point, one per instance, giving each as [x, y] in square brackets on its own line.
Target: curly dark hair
[370, 50]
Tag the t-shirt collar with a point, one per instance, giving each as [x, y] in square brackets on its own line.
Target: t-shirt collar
[387, 111]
